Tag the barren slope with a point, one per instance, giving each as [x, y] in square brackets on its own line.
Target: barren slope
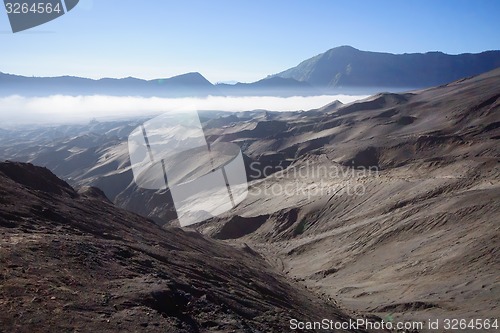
[421, 240]
[73, 262]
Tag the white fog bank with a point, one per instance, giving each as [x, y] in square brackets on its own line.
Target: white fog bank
[64, 109]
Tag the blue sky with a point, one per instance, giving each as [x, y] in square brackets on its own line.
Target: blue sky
[237, 40]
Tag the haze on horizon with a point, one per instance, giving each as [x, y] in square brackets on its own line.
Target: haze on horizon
[58, 109]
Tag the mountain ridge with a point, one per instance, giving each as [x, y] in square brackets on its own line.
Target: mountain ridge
[342, 69]
[346, 66]
[184, 85]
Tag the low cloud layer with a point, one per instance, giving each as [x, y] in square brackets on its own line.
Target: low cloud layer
[63, 109]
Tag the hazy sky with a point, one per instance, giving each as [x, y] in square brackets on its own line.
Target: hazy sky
[237, 40]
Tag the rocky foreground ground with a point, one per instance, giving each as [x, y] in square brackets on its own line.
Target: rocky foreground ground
[73, 262]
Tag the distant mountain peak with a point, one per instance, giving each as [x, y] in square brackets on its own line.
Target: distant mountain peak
[192, 74]
[346, 66]
[344, 48]
[196, 75]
